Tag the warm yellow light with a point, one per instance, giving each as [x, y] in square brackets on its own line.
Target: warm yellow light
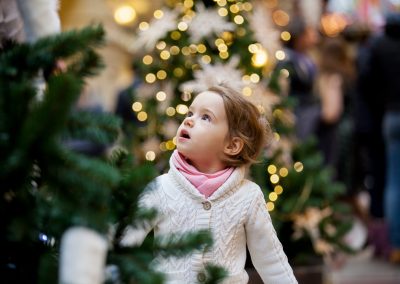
[174, 50]
[223, 12]
[234, 8]
[254, 78]
[170, 111]
[332, 24]
[186, 96]
[273, 196]
[182, 109]
[193, 48]
[206, 59]
[298, 166]
[124, 15]
[163, 146]
[170, 145]
[285, 35]
[158, 14]
[221, 2]
[147, 59]
[223, 47]
[271, 169]
[178, 72]
[182, 26]
[150, 78]
[219, 41]
[270, 206]
[274, 178]
[201, 48]
[174, 140]
[161, 45]
[188, 4]
[241, 31]
[161, 96]
[224, 55]
[161, 74]
[278, 189]
[280, 55]
[259, 58]
[247, 6]
[165, 55]
[142, 116]
[284, 73]
[281, 18]
[185, 50]
[247, 91]
[175, 35]
[238, 19]
[277, 137]
[144, 26]
[137, 106]
[283, 172]
[150, 156]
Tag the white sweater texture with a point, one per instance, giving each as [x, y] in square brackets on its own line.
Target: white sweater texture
[235, 214]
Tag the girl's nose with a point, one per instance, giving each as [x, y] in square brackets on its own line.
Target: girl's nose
[189, 122]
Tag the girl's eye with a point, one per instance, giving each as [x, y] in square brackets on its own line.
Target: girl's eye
[206, 117]
[189, 114]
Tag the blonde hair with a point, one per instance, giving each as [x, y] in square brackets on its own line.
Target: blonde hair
[244, 121]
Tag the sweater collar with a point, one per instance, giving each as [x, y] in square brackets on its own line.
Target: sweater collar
[228, 188]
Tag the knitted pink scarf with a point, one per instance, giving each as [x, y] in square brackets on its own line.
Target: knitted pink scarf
[206, 184]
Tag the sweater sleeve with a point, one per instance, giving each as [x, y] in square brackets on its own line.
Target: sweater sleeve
[264, 246]
[137, 232]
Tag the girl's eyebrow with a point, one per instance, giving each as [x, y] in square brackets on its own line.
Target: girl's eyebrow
[209, 111]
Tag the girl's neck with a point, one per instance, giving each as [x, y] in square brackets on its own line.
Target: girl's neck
[207, 168]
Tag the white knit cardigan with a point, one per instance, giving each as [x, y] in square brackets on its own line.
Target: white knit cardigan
[236, 215]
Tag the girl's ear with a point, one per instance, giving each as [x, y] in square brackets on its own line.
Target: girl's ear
[234, 146]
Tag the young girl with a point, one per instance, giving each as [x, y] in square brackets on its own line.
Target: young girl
[206, 188]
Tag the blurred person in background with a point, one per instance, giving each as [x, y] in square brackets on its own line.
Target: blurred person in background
[302, 74]
[382, 91]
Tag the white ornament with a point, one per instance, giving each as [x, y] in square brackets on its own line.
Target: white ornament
[82, 257]
[211, 75]
[263, 28]
[158, 28]
[207, 22]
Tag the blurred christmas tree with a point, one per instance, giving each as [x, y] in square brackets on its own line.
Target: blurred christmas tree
[191, 45]
[60, 190]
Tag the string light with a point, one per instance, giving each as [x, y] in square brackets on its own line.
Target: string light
[161, 74]
[238, 19]
[254, 78]
[286, 36]
[247, 91]
[161, 96]
[150, 78]
[150, 156]
[174, 50]
[278, 189]
[158, 14]
[201, 48]
[280, 55]
[281, 18]
[234, 8]
[170, 111]
[147, 59]
[175, 35]
[137, 106]
[182, 26]
[124, 15]
[161, 45]
[270, 206]
[273, 196]
[298, 167]
[142, 116]
[178, 72]
[165, 55]
[223, 12]
[182, 109]
[206, 59]
[144, 26]
[274, 178]
[271, 169]
[283, 172]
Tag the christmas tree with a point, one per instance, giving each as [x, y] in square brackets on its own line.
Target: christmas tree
[190, 45]
[66, 196]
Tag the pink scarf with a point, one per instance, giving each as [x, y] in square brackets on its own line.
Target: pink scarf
[206, 184]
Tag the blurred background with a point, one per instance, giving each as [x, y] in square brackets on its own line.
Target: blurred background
[323, 72]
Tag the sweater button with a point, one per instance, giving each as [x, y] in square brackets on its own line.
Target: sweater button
[201, 277]
[207, 205]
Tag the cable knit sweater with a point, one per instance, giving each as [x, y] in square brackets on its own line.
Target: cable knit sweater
[236, 214]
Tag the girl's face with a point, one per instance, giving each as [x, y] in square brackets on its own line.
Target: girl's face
[203, 135]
